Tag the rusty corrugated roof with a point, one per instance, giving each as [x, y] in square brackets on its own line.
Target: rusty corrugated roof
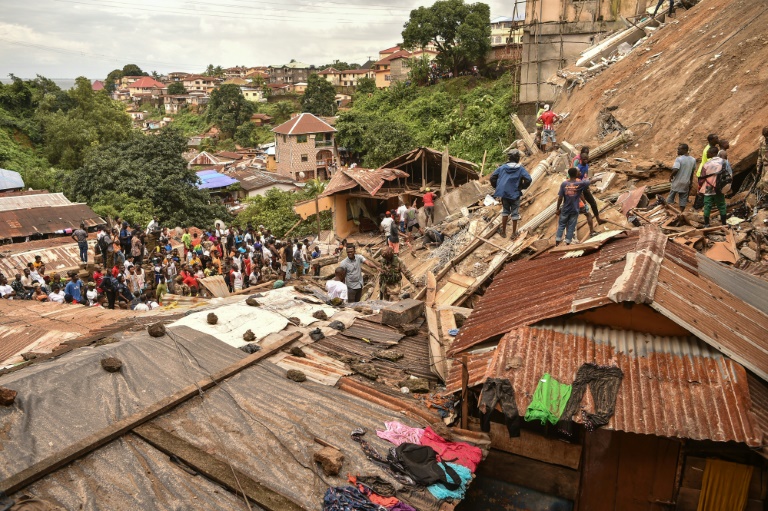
[47, 220]
[370, 180]
[373, 332]
[59, 257]
[35, 200]
[672, 386]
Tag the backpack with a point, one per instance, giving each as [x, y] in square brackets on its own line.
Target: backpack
[421, 463]
[723, 181]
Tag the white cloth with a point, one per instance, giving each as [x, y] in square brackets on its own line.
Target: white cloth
[336, 289]
[401, 212]
[57, 297]
[6, 290]
[141, 307]
[386, 224]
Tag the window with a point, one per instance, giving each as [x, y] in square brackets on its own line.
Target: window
[285, 138]
[387, 78]
[301, 139]
[304, 157]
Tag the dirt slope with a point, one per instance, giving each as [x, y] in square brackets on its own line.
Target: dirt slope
[711, 76]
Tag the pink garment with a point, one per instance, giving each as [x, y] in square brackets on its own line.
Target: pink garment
[455, 452]
[398, 433]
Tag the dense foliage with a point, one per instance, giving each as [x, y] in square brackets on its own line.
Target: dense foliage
[275, 210]
[141, 176]
[462, 32]
[229, 109]
[177, 88]
[319, 97]
[468, 114]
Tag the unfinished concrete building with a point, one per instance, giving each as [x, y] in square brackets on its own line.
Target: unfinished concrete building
[555, 33]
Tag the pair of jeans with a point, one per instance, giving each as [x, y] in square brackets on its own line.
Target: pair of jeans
[661, 2]
[604, 383]
[567, 223]
[498, 390]
[681, 196]
[83, 246]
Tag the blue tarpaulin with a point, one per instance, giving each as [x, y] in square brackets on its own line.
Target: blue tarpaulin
[10, 180]
[211, 179]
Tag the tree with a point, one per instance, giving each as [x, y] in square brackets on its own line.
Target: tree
[283, 111]
[244, 134]
[461, 31]
[176, 88]
[315, 187]
[133, 70]
[228, 109]
[209, 71]
[366, 85]
[145, 174]
[275, 210]
[113, 76]
[377, 139]
[320, 96]
[419, 70]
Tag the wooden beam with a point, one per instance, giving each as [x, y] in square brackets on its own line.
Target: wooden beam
[115, 430]
[215, 469]
[523, 133]
[464, 391]
[446, 161]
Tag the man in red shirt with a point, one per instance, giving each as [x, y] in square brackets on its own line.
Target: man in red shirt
[429, 205]
[548, 119]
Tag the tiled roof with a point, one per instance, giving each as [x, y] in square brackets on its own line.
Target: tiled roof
[304, 124]
[394, 56]
[672, 386]
[146, 82]
[391, 50]
[329, 71]
[97, 85]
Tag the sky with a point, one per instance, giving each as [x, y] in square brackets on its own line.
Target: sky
[70, 38]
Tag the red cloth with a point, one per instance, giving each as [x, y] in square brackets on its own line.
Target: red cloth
[460, 453]
[373, 497]
[429, 199]
[548, 118]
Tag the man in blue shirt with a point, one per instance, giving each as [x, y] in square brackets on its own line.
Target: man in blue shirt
[510, 180]
[74, 288]
[568, 206]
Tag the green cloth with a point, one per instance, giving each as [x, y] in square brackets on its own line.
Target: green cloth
[549, 400]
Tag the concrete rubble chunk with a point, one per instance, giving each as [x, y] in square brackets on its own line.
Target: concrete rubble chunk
[321, 315]
[295, 375]
[156, 330]
[7, 396]
[402, 312]
[212, 318]
[250, 348]
[749, 253]
[111, 364]
[330, 459]
[297, 352]
[415, 385]
[367, 370]
[252, 302]
[249, 336]
[409, 329]
[391, 355]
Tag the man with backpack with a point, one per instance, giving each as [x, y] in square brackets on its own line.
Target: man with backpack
[510, 180]
[715, 177]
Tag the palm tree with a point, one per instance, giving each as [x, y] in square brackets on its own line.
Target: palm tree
[315, 187]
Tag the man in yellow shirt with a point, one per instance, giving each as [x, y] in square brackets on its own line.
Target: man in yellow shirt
[712, 141]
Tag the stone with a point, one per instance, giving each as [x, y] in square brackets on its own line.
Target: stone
[321, 315]
[249, 336]
[250, 348]
[156, 330]
[316, 334]
[330, 459]
[29, 355]
[7, 396]
[409, 329]
[402, 312]
[252, 302]
[749, 253]
[415, 385]
[297, 352]
[295, 375]
[337, 325]
[391, 355]
[111, 364]
[212, 318]
[364, 369]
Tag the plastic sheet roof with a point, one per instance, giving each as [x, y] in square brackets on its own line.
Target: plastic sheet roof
[672, 386]
[210, 179]
[10, 180]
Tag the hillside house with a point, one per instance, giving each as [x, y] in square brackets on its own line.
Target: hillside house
[278, 89]
[174, 104]
[97, 85]
[177, 76]
[236, 81]
[305, 144]
[255, 182]
[350, 77]
[147, 86]
[125, 81]
[507, 30]
[332, 75]
[293, 72]
[299, 88]
[254, 94]
[383, 71]
[236, 72]
[260, 119]
[200, 83]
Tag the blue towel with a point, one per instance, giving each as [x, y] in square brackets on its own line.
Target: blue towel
[440, 492]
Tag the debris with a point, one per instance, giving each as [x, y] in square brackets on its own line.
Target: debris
[321, 315]
[105, 341]
[156, 330]
[415, 385]
[252, 302]
[410, 329]
[111, 364]
[250, 348]
[7, 396]
[212, 318]
[316, 334]
[402, 312]
[391, 355]
[337, 325]
[295, 375]
[364, 369]
[296, 351]
[330, 459]
[249, 336]
[749, 253]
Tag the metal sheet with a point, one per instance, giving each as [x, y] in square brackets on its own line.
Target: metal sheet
[375, 333]
[48, 220]
[672, 386]
[39, 200]
[740, 284]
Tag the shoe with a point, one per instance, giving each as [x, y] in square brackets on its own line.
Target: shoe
[706, 225]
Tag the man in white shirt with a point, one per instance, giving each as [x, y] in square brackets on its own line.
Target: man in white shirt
[56, 295]
[386, 224]
[336, 287]
[402, 211]
[6, 291]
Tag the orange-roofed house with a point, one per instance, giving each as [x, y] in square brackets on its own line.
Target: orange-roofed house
[305, 144]
[97, 85]
[383, 69]
[146, 85]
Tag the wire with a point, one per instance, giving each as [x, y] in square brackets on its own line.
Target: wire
[324, 5]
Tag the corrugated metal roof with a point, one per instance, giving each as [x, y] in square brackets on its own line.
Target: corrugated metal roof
[39, 200]
[10, 180]
[251, 179]
[738, 283]
[373, 332]
[56, 258]
[48, 220]
[672, 386]
[210, 179]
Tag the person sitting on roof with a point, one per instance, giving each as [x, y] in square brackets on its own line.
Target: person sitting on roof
[6, 291]
[336, 288]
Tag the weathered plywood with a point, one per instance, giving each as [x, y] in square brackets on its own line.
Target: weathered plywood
[536, 475]
[537, 447]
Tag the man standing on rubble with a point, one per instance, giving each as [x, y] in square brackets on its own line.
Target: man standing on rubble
[510, 180]
[354, 273]
[713, 197]
[429, 206]
[392, 271]
[682, 172]
[81, 237]
[581, 162]
[568, 199]
[712, 141]
[548, 118]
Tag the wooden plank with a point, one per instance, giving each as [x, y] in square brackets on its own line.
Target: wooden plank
[216, 286]
[437, 360]
[521, 130]
[65, 456]
[449, 293]
[215, 469]
[536, 475]
[462, 280]
[534, 446]
[431, 289]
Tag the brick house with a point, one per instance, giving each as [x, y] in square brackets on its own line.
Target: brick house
[305, 144]
[291, 73]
